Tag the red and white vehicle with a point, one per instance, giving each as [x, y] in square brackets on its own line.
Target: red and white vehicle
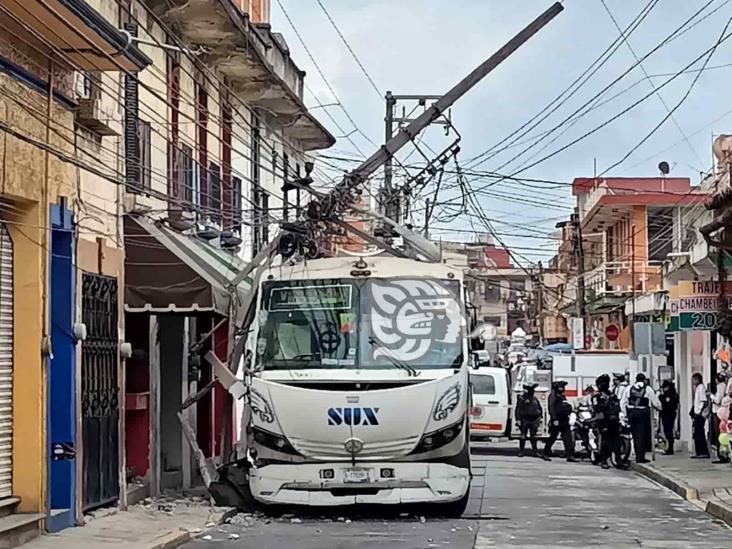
[490, 413]
[494, 390]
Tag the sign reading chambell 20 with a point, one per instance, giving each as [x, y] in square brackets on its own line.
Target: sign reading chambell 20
[694, 305]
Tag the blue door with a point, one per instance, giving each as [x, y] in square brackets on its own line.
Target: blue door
[62, 375]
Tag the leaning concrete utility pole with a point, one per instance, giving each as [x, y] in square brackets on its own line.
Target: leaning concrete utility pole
[327, 209]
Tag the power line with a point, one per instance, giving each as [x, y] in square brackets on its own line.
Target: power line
[613, 118]
[675, 108]
[560, 100]
[583, 109]
[626, 40]
[164, 177]
[322, 74]
[350, 50]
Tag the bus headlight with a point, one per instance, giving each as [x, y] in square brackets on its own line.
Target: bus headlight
[273, 442]
[438, 439]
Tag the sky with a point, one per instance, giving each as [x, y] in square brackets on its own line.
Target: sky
[426, 46]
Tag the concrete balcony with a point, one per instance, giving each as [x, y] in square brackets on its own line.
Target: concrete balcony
[609, 284]
[255, 61]
[592, 198]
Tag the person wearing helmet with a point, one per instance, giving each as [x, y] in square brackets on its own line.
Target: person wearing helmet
[637, 402]
[607, 412]
[528, 415]
[559, 412]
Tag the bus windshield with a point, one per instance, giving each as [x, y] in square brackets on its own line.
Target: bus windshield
[351, 323]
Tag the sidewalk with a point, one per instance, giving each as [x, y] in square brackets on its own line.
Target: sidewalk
[142, 527]
[699, 481]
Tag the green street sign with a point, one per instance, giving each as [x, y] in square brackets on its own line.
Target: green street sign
[697, 321]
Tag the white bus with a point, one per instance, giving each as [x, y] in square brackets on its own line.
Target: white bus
[360, 388]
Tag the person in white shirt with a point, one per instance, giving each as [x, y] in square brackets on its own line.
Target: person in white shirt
[636, 403]
[699, 413]
[620, 386]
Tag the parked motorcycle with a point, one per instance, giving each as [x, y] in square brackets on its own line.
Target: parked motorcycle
[622, 460]
[584, 429]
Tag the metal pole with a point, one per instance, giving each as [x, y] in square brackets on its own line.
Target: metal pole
[541, 305]
[580, 255]
[405, 135]
[388, 195]
[632, 283]
[581, 263]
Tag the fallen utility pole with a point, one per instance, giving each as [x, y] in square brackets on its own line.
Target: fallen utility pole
[322, 212]
[345, 194]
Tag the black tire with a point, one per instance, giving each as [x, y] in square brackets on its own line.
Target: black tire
[455, 509]
[624, 453]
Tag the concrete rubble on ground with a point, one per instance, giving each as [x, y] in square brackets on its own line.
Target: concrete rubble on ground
[151, 524]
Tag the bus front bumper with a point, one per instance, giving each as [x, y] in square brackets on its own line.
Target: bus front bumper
[325, 484]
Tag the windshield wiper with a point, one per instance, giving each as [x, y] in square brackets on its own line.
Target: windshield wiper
[397, 363]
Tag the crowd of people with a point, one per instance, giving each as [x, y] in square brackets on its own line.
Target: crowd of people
[614, 401]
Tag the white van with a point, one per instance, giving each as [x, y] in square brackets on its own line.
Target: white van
[490, 413]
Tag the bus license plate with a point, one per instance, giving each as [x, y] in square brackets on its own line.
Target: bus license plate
[356, 475]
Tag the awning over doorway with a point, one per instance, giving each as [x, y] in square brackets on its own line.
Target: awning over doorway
[166, 271]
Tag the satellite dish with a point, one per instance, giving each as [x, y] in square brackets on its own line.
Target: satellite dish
[664, 167]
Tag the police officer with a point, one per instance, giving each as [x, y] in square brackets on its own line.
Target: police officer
[637, 402]
[669, 408]
[528, 415]
[606, 407]
[559, 412]
[620, 385]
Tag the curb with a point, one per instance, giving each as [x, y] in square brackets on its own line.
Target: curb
[720, 511]
[711, 507]
[681, 489]
[172, 540]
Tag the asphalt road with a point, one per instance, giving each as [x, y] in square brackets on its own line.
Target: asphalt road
[516, 502]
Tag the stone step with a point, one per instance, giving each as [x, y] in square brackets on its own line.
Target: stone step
[8, 505]
[19, 528]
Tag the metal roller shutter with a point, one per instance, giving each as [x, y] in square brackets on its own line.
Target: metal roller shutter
[6, 363]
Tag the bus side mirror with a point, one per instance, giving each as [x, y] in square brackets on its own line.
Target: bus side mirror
[480, 359]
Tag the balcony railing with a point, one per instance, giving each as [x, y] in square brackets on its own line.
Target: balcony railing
[616, 278]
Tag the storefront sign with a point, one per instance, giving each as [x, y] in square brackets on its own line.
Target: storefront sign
[612, 332]
[694, 306]
[578, 332]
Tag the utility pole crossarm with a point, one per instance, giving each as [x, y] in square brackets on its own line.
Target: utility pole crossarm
[371, 164]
